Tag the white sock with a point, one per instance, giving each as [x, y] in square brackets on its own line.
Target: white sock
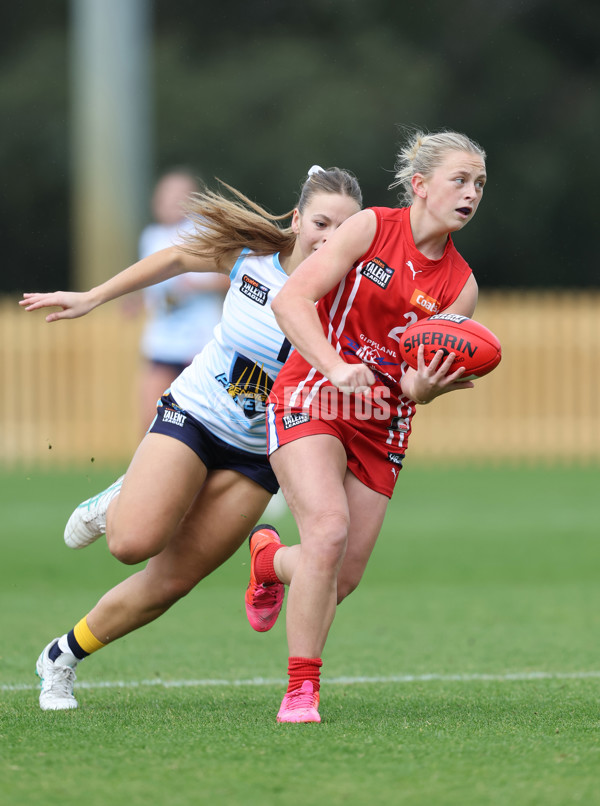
[66, 658]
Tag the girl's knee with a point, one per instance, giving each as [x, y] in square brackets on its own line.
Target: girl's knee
[134, 536]
[327, 543]
[330, 527]
[132, 548]
[127, 554]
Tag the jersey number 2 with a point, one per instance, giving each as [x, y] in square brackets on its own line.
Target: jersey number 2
[396, 332]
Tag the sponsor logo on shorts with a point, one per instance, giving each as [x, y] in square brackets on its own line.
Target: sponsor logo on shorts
[396, 458]
[254, 290]
[292, 420]
[424, 302]
[399, 424]
[174, 417]
[377, 272]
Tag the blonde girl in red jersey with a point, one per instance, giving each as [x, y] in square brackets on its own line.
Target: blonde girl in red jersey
[341, 409]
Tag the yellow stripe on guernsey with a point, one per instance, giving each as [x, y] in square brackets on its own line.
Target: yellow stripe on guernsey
[85, 637]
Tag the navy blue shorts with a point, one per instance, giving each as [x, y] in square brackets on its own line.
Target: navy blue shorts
[173, 421]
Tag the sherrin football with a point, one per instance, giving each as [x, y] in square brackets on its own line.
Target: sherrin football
[476, 348]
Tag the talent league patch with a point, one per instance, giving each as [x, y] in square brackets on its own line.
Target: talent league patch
[174, 417]
[377, 272]
[254, 290]
[291, 420]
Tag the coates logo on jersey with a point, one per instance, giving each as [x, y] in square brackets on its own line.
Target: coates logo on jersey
[424, 302]
[254, 290]
[377, 272]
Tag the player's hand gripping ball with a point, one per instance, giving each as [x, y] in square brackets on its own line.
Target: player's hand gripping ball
[476, 348]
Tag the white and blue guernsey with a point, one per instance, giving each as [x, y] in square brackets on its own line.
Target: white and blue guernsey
[227, 384]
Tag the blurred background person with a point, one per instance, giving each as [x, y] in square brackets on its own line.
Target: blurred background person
[181, 312]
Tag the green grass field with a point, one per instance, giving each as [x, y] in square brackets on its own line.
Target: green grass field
[464, 670]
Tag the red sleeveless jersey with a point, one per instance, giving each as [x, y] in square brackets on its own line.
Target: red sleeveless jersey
[389, 288]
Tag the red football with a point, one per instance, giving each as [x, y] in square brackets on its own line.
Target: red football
[476, 347]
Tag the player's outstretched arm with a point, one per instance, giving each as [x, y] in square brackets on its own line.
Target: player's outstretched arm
[153, 269]
[71, 303]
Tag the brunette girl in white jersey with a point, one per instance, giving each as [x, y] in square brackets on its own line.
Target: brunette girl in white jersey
[343, 405]
[200, 475]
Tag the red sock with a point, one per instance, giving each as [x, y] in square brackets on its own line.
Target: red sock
[301, 669]
[263, 565]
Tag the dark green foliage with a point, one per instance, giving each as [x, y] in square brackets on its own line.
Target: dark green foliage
[255, 93]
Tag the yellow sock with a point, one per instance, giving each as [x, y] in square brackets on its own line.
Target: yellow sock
[82, 640]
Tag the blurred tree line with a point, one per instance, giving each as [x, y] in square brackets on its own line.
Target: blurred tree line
[254, 93]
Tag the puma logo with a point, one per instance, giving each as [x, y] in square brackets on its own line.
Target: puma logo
[409, 263]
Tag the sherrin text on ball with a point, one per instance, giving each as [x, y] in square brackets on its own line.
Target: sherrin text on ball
[476, 348]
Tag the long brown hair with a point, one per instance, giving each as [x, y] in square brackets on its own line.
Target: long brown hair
[224, 225]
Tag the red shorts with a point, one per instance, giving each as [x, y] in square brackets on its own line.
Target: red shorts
[371, 447]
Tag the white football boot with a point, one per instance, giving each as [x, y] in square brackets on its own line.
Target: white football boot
[56, 681]
[88, 521]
